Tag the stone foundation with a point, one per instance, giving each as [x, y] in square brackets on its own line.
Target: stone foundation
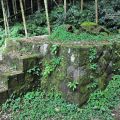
[82, 67]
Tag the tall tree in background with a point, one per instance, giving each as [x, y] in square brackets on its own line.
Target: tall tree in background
[6, 24]
[14, 7]
[47, 16]
[59, 1]
[81, 5]
[96, 11]
[7, 8]
[23, 17]
[65, 8]
[24, 4]
[31, 6]
[38, 3]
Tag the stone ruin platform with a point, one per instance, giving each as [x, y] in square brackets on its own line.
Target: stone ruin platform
[91, 64]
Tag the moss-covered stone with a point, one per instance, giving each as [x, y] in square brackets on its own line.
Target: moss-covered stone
[91, 65]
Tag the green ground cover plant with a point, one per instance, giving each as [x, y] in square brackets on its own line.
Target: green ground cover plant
[60, 34]
[38, 105]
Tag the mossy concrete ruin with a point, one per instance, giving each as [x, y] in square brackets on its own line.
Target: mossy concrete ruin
[91, 64]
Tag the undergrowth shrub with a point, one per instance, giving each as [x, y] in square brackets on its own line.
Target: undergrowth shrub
[39, 105]
[36, 23]
[17, 31]
[61, 34]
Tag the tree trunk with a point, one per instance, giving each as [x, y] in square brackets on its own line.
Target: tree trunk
[31, 6]
[59, 1]
[14, 7]
[24, 4]
[56, 3]
[16, 10]
[4, 17]
[65, 8]
[38, 3]
[23, 17]
[96, 11]
[47, 16]
[6, 24]
[82, 5]
[7, 7]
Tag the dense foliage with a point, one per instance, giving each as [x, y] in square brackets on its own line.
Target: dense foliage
[39, 105]
[60, 34]
[36, 23]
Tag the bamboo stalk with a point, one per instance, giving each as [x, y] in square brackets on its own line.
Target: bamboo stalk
[65, 8]
[23, 17]
[14, 9]
[31, 6]
[96, 11]
[81, 5]
[7, 7]
[6, 24]
[38, 2]
[47, 16]
[19, 12]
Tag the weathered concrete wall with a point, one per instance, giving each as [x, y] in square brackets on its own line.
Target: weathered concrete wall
[16, 79]
[90, 64]
[75, 69]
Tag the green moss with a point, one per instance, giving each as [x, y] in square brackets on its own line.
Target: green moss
[102, 81]
[88, 24]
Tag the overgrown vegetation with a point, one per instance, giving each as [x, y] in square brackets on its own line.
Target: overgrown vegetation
[50, 66]
[73, 25]
[60, 34]
[73, 85]
[36, 23]
[39, 105]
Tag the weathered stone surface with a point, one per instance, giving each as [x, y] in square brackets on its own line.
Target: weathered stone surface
[92, 27]
[1, 57]
[18, 82]
[75, 65]
[78, 63]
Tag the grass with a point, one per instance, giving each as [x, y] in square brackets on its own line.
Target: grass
[38, 105]
[60, 34]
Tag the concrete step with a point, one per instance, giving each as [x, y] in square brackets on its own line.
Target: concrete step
[3, 87]
[17, 79]
[9, 81]
[21, 62]
[3, 68]
[3, 91]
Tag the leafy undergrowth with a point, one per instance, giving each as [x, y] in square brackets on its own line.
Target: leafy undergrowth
[60, 34]
[41, 106]
[36, 23]
[17, 31]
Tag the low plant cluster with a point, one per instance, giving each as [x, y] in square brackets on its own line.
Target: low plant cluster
[73, 85]
[61, 34]
[38, 105]
[51, 66]
[55, 61]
